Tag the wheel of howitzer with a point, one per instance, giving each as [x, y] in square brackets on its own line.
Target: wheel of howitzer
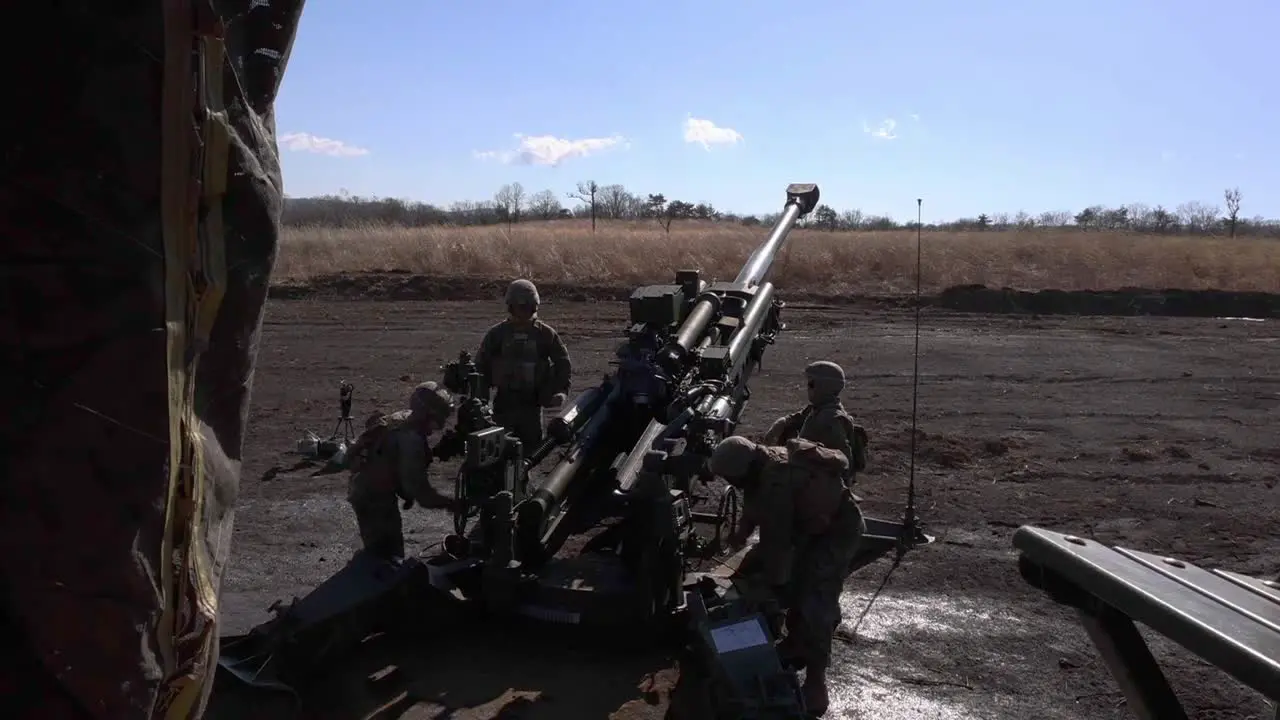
[462, 513]
[728, 514]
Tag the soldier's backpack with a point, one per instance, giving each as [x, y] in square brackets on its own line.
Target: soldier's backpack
[369, 443]
[820, 488]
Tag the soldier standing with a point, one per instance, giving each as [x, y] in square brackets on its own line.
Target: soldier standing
[824, 420]
[390, 459]
[527, 364]
[810, 526]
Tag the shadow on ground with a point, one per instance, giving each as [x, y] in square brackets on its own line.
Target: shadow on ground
[487, 674]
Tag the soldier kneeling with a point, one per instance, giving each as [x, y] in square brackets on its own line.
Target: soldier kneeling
[390, 460]
[798, 499]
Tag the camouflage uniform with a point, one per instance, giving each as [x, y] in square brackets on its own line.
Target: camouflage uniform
[395, 464]
[824, 420]
[141, 209]
[810, 525]
[524, 360]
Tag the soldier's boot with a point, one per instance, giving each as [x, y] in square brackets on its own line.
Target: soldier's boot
[791, 654]
[814, 691]
[791, 649]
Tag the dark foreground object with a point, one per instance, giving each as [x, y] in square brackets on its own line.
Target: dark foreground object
[139, 216]
[1228, 619]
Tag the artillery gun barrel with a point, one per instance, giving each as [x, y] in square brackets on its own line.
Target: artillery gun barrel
[695, 325]
[716, 405]
[545, 501]
[569, 422]
[761, 261]
[590, 414]
[630, 467]
[753, 318]
[574, 417]
[801, 199]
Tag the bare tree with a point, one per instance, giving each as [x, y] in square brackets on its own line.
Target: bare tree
[826, 218]
[1163, 222]
[544, 205]
[587, 192]
[614, 200]
[1139, 216]
[851, 219]
[511, 199]
[1054, 218]
[1198, 218]
[656, 207]
[1232, 199]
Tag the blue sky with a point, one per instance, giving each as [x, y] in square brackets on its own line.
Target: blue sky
[975, 105]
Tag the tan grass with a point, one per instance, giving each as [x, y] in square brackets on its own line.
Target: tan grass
[630, 253]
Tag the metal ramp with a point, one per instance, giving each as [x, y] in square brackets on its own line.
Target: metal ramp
[1229, 620]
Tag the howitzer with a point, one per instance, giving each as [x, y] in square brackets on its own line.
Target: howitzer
[617, 469]
[629, 449]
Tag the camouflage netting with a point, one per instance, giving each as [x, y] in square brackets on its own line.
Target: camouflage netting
[139, 213]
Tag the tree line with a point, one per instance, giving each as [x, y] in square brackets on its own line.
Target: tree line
[589, 200]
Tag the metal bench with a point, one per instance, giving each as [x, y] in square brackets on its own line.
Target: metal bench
[1230, 620]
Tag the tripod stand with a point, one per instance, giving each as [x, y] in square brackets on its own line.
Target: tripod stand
[344, 425]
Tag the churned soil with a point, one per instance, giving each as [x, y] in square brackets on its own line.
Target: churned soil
[1156, 433]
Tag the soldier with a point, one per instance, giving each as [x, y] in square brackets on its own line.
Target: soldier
[389, 460]
[527, 363]
[810, 525]
[824, 420]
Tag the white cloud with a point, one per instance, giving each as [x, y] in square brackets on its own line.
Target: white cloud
[550, 150]
[306, 142]
[707, 133]
[884, 131]
[915, 116]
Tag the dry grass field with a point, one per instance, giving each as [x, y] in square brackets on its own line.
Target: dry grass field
[837, 263]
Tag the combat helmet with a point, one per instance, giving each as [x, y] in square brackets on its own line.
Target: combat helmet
[523, 292]
[826, 379]
[732, 459]
[432, 400]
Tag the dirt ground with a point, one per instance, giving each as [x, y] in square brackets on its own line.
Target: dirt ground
[1151, 432]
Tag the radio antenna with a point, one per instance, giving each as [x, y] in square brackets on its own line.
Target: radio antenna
[909, 518]
[911, 530]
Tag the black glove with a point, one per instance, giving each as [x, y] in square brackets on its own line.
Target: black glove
[451, 444]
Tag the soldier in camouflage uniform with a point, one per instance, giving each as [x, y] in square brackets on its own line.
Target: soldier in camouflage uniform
[824, 420]
[527, 364]
[390, 460]
[810, 525]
